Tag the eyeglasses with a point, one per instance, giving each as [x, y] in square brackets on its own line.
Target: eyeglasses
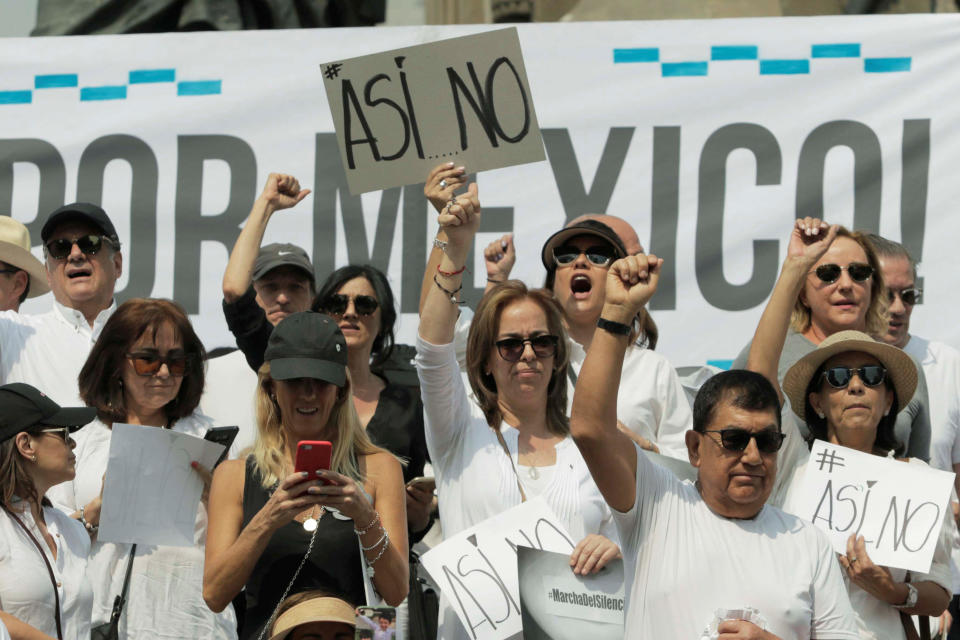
[337, 304]
[61, 248]
[839, 377]
[830, 273]
[736, 439]
[599, 255]
[511, 349]
[909, 296]
[148, 364]
[61, 432]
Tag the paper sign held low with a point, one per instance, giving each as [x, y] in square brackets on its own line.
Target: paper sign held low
[400, 113]
[477, 568]
[898, 508]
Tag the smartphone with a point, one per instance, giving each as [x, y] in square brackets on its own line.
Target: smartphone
[224, 436]
[425, 483]
[313, 455]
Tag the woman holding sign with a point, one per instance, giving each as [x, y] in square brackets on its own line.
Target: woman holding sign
[279, 526]
[146, 369]
[514, 442]
[848, 391]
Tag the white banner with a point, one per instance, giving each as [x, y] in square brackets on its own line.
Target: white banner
[709, 136]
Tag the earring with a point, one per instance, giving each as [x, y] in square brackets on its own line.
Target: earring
[34, 458]
[821, 414]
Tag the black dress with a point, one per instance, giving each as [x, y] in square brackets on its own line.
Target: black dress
[333, 565]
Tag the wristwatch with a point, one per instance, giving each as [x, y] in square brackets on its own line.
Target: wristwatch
[912, 596]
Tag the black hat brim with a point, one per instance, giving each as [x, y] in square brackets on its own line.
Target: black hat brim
[290, 368]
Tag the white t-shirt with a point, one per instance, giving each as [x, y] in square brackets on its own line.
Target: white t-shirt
[650, 400]
[683, 562]
[941, 366]
[47, 350]
[165, 598]
[476, 480]
[229, 396]
[26, 592]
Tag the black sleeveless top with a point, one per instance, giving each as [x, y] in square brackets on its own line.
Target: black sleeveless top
[333, 565]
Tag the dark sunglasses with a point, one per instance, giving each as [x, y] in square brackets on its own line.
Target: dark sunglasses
[737, 440]
[337, 304]
[830, 272]
[599, 255]
[839, 377]
[61, 432]
[511, 349]
[148, 364]
[909, 296]
[90, 245]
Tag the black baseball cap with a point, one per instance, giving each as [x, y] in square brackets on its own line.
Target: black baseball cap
[23, 406]
[307, 344]
[84, 211]
[583, 228]
[277, 254]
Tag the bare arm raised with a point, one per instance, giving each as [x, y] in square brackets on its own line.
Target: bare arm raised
[281, 192]
[809, 240]
[609, 453]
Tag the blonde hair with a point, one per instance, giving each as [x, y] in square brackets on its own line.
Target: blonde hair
[268, 450]
[482, 340]
[876, 316]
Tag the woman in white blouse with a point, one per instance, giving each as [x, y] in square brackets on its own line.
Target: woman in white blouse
[44, 592]
[513, 443]
[145, 369]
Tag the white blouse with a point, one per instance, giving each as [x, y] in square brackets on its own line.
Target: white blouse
[26, 592]
[165, 598]
[476, 479]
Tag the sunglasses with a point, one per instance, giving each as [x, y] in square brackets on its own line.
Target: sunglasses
[61, 432]
[599, 255]
[737, 440]
[148, 364]
[830, 272]
[90, 245]
[839, 377]
[511, 349]
[909, 296]
[337, 304]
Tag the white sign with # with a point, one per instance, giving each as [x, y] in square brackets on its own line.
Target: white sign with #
[898, 508]
[477, 568]
[150, 491]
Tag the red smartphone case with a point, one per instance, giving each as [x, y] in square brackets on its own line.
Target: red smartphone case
[313, 455]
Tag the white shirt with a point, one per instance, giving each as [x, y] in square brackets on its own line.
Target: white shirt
[682, 562]
[476, 479]
[4, 634]
[229, 396]
[47, 350]
[26, 592]
[165, 598]
[877, 620]
[650, 400]
[941, 366]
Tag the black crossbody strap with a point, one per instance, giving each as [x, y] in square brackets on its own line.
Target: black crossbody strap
[53, 579]
[121, 599]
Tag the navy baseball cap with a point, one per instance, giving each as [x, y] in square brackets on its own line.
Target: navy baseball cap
[23, 406]
[84, 212]
[307, 344]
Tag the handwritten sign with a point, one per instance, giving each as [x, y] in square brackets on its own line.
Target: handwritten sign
[150, 492]
[477, 568]
[557, 604]
[898, 508]
[399, 113]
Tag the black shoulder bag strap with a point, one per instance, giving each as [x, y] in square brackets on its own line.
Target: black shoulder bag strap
[53, 579]
[121, 599]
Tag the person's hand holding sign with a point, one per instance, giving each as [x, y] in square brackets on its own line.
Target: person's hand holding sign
[460, 218]
[592, 554]
[873, 579]
[442, 182]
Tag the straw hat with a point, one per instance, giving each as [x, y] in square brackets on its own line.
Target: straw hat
[320, 609]
[15, 251]
[901, 370]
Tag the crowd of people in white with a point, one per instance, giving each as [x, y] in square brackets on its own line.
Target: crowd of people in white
[556, 392]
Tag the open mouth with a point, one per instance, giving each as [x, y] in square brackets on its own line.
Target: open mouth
[307, 412]
[580, 286]
[80, 273]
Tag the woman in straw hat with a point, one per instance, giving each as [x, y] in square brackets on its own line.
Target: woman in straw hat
[848, 391]
[314, 615]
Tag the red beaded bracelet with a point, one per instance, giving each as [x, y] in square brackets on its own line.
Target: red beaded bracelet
[450, 274]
